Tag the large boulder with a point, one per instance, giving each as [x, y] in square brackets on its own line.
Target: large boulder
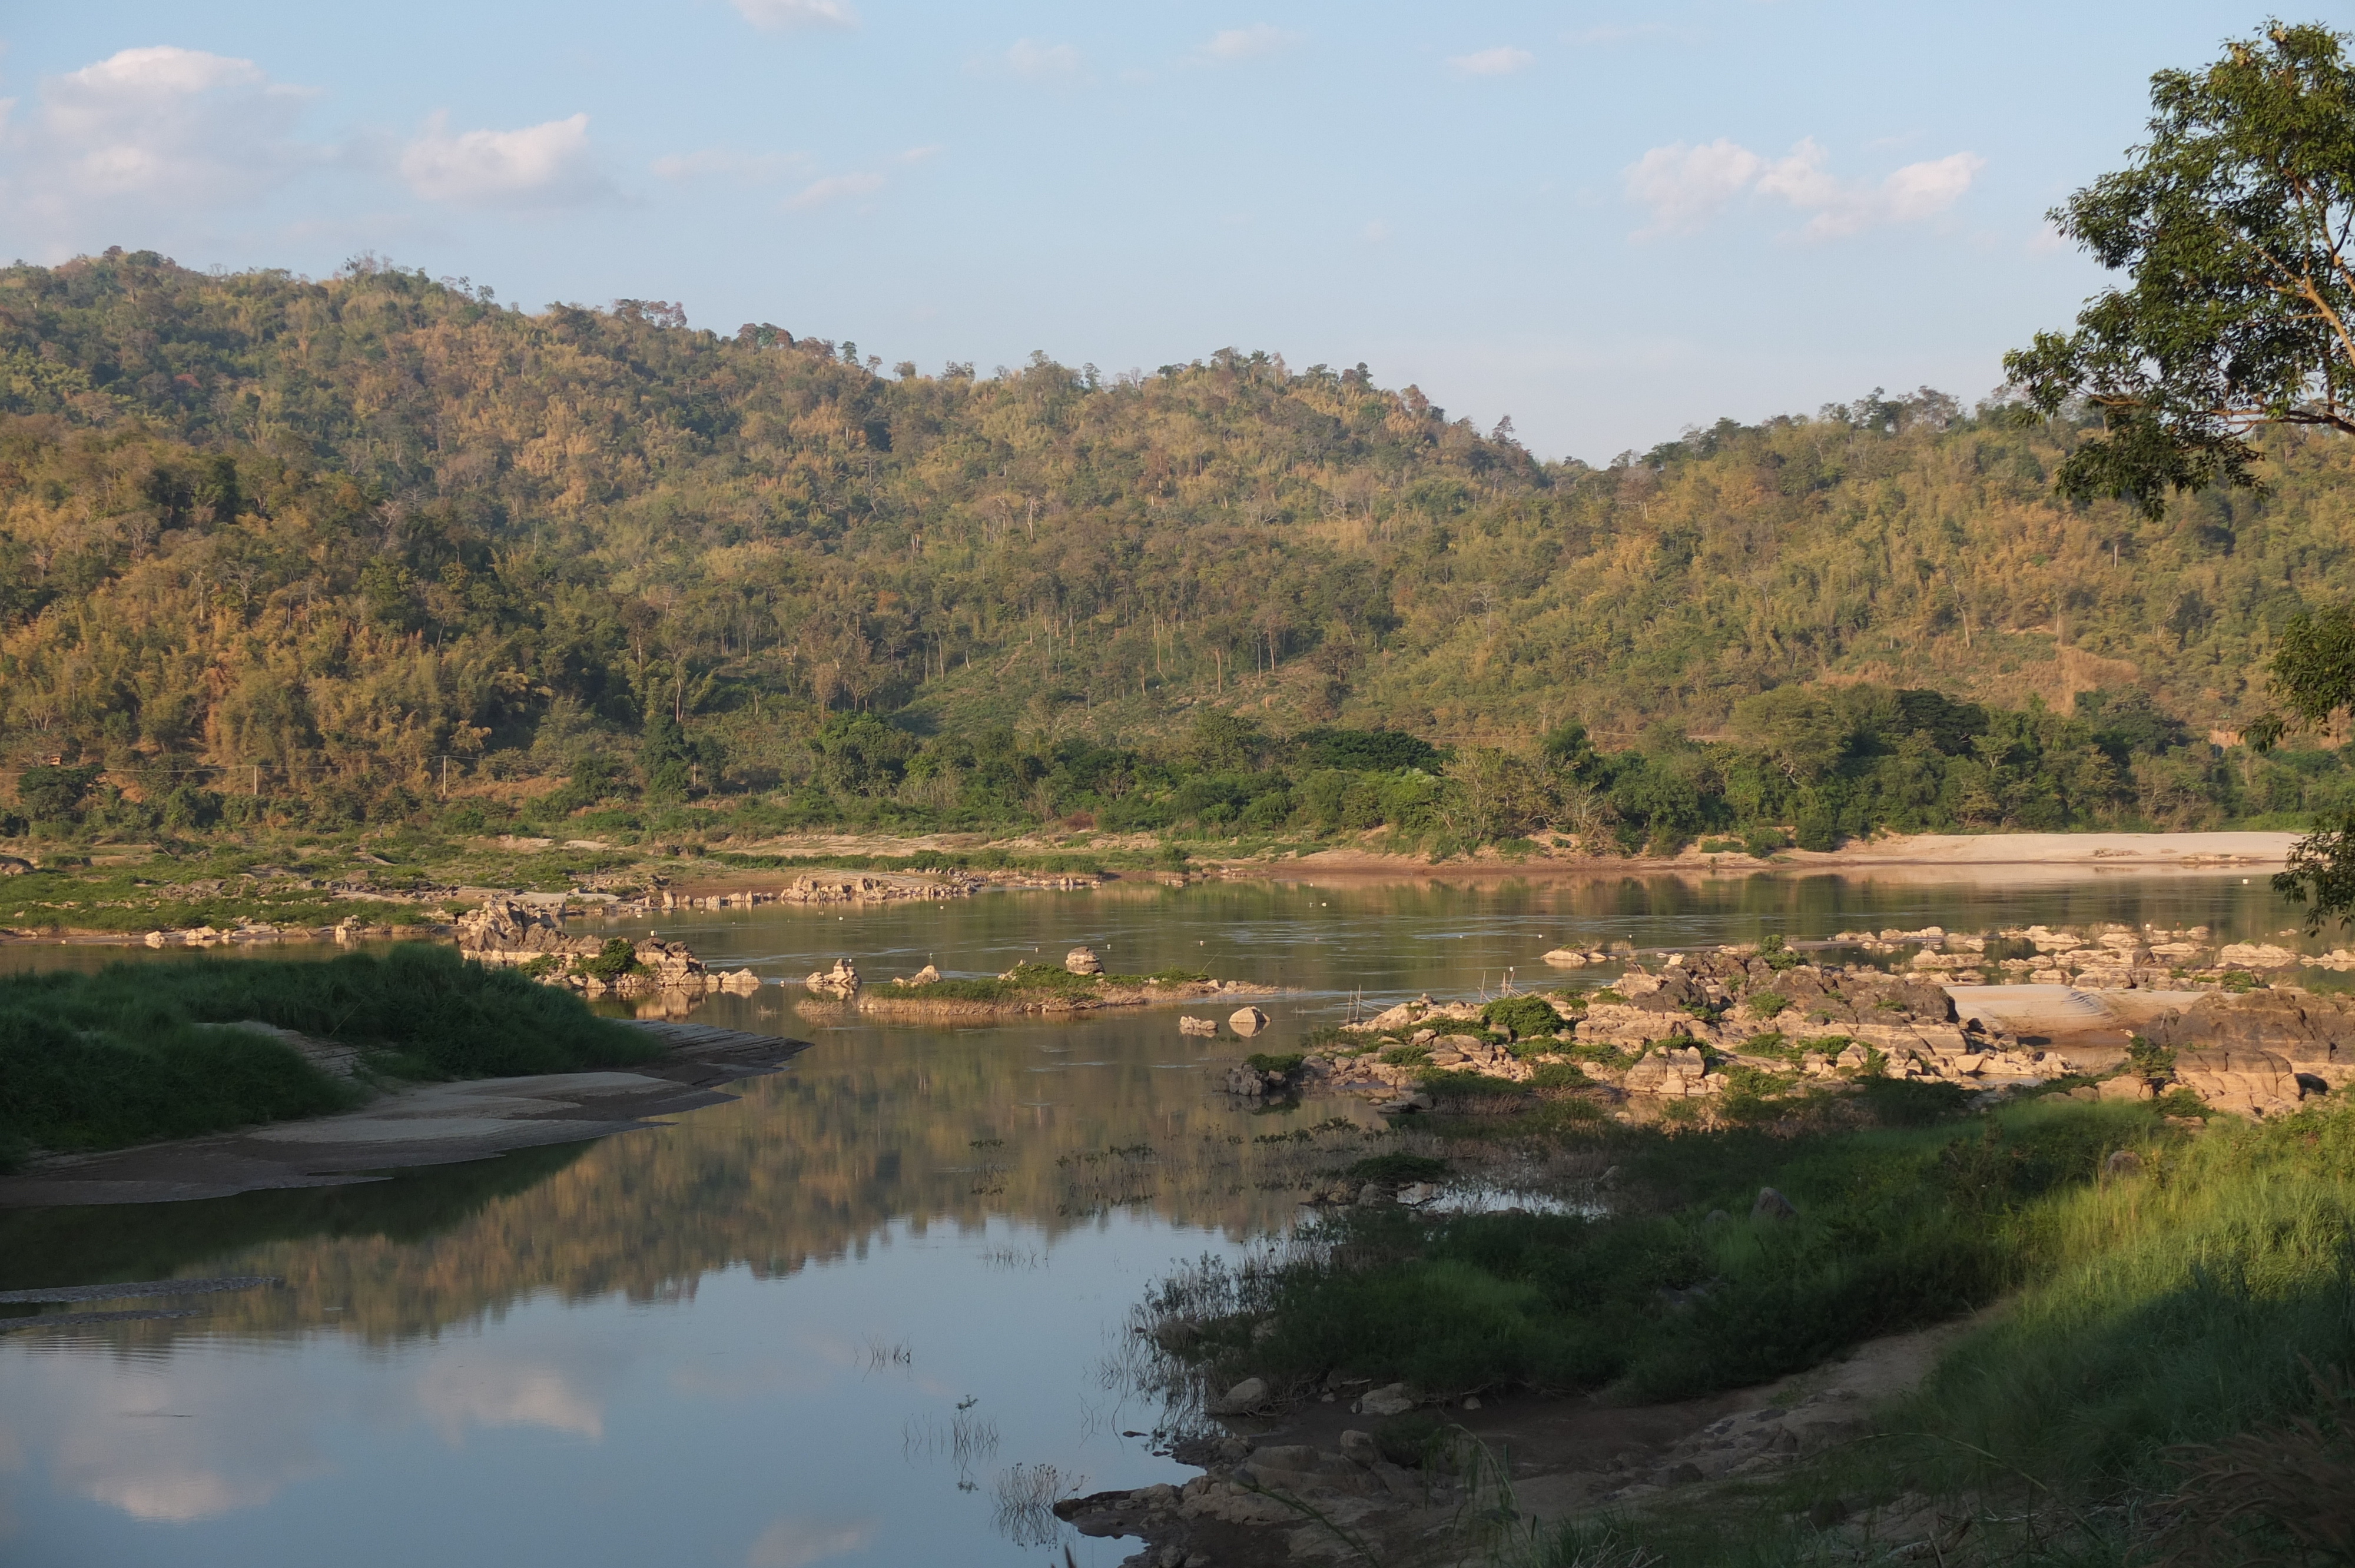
[1082, 961]
[2316, 1033]
[2245, 1082]
[1247, 1020]
[1241, 1400]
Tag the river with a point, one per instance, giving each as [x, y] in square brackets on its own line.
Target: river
[841, 1319]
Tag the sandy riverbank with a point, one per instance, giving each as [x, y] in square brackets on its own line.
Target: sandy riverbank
[1917, 856]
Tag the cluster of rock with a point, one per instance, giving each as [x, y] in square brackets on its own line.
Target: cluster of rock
[840, 983]
[503, 932]
[2104, 957]
[1682, 1030]
[1673, 1031]
[1345, 1486]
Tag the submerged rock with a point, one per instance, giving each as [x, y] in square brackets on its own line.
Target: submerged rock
[1247, 1020]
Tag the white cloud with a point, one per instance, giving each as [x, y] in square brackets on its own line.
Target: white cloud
[1247, 43]
[540, 166]
[148, 131]
[456, 1394]
[1842, 207]
[1502, 60]
[798, 1543]
[918, 154]
[776, 15]
[834, 187]
[1035, 61]
[1685, 186]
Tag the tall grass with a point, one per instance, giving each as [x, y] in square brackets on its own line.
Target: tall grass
[1898, 1227]
[2166, 1385]
[133, 1052]
[2175, 1306]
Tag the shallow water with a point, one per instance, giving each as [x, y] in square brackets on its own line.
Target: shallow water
[826, 1322]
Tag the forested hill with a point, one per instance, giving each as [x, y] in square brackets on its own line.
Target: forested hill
[339, 530]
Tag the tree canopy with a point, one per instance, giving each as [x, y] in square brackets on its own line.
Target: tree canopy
[2233, 223]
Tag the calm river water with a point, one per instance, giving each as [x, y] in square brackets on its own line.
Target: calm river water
[831, 1322]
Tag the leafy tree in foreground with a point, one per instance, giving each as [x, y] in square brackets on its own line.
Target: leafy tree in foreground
[2233, 223]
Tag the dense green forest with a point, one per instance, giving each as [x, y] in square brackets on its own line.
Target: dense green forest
[379, 548]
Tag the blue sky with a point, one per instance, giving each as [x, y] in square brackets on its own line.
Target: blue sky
[1608, 221]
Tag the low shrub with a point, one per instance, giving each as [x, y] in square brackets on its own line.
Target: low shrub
[1522, 1017]
[617, 957]
[2155, 1062]
[1558, 1075]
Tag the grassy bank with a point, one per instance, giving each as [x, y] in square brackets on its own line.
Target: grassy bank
[138, 1052]
[1899, 1226]
[2152, 1308]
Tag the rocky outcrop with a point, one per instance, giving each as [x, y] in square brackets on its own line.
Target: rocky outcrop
[503, 932]
[839, 983]
[2315, 1033]
[831, 887]
[1082, 961]
[1671, 1032]
[2244, 1082]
